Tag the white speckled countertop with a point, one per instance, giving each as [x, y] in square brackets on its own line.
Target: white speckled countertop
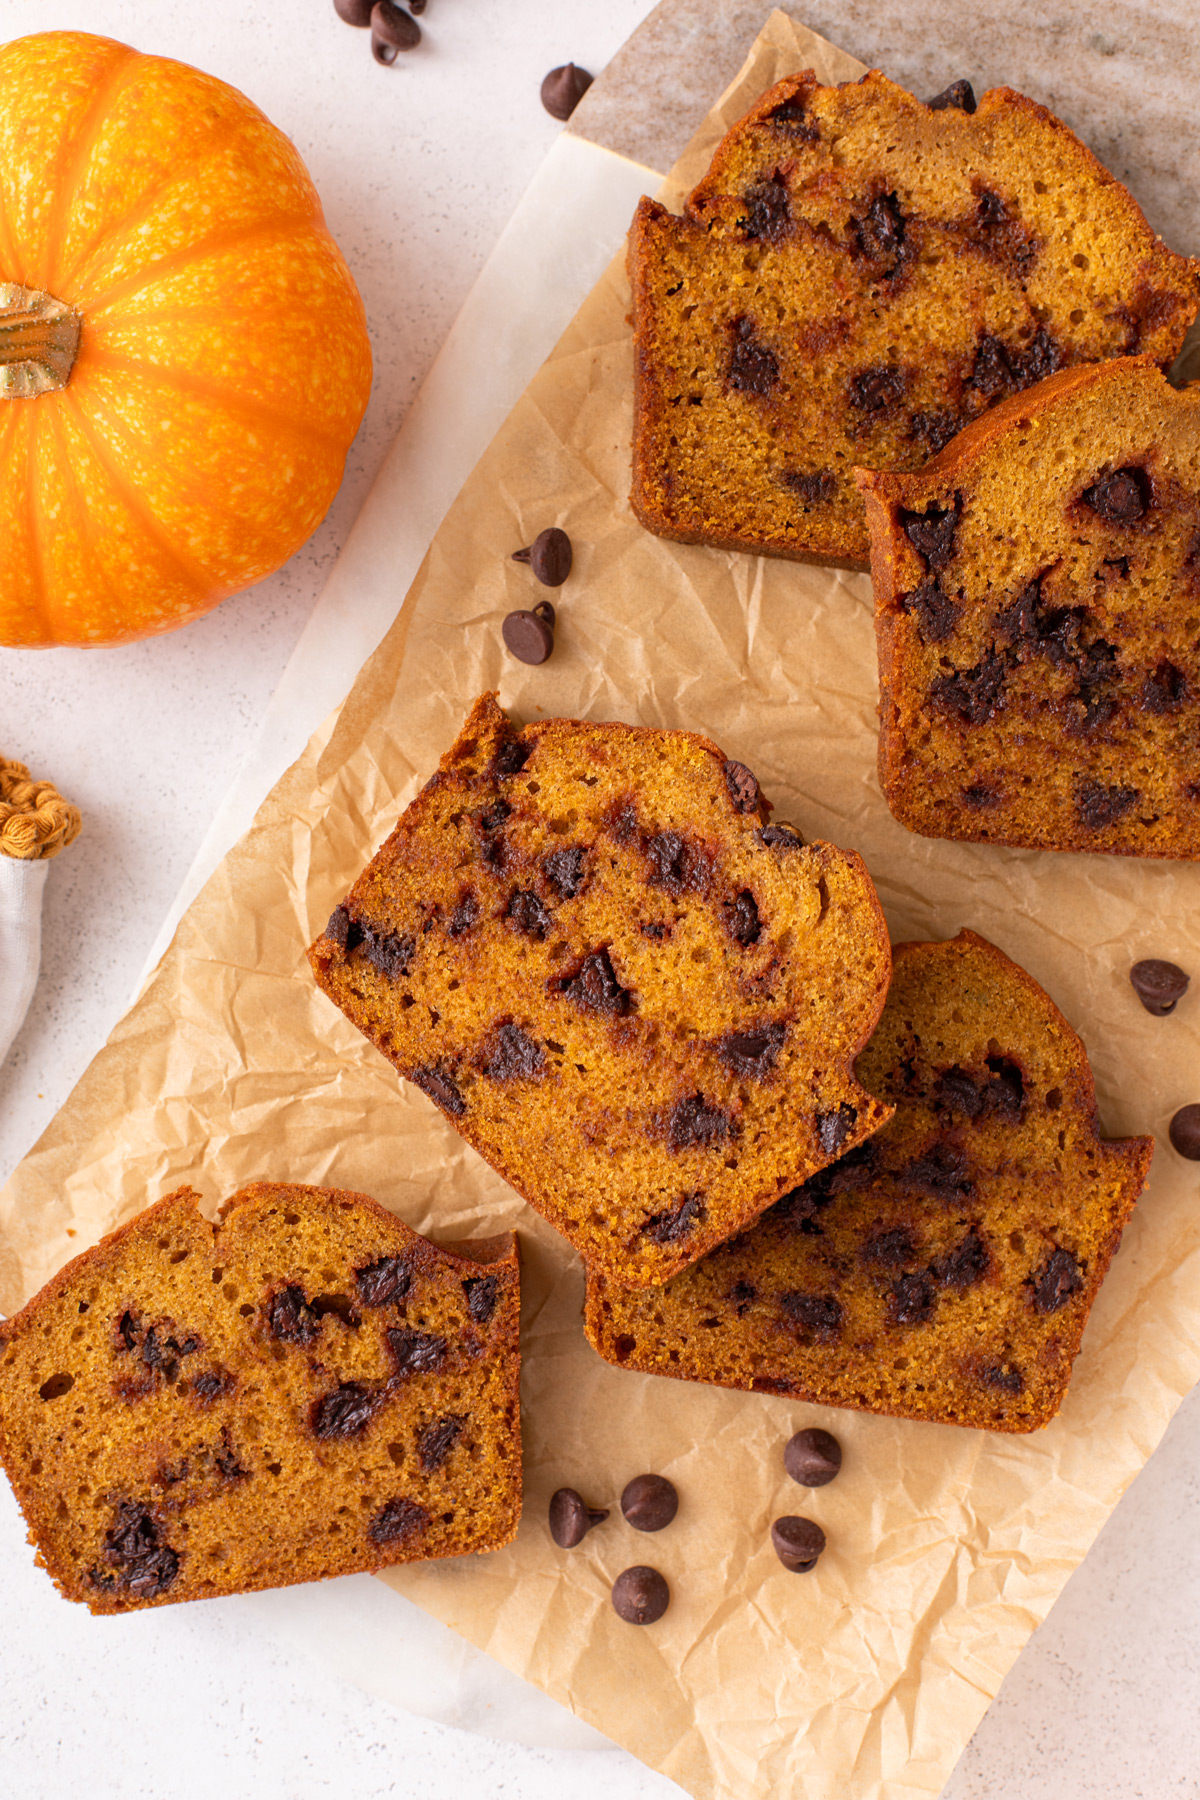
[419, 167]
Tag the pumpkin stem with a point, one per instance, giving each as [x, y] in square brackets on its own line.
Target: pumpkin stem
[39, 337]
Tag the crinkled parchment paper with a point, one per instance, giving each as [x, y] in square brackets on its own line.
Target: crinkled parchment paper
[946, 1547]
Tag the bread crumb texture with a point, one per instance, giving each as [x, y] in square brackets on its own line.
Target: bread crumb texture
[857, 277]
[306, 1389]
[637, 999]
[944, 1270]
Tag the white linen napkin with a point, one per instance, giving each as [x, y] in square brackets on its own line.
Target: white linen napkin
[21, 886]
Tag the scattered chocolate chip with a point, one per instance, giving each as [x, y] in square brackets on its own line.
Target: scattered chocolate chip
[416, 1352]
[492, 817]
[957, 1090]
[932, 534]
[388, 952]
[973, 695]
[144, 1565]
[290, 1318]
[990, 210]
[752, 1053]
[442, 1089]
[1042, 356]
[940, 1172]
[797, 1543]
[549, 556]
[528, 914]
[768, 214]
[1056, 1281]
[1166, 689]
[563, 89]
[891, 1249]
[1160, 986]
[742, 1296]
[385, 1282]
[529, 637]
[813, 1457]
[338, 928]
[400, 1518]
[571, 1518]
[392, 31]
[877, 390]
[819, 1313]
[482, 1292]
[912, 1299]
[833, 1128]
[1099, 806]
[436, 1441]
[1004, 1380]
[511, 757]
[649, 1502]
[354, 12]
[879, 232]
[128, 1332]
[960, 95]
[937, 614]
[1120, 498]
[1004, 1094]
[563, 870]
[745, 927]
[1184, 1132]
[640, 1595]
[344, 1412]
[211, 1383]
[514, 1056]
[791, 117]
[595, 987]
[814, 488]
[694, 1121]
[753, 368]
[675, 1222]
[781, 837]
[980, 798]
[226, 1459]
[963, 1266]
[671, 861]
[935, 429]
[743, 787]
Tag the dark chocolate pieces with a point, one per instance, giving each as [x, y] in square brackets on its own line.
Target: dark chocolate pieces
[1120, 498]
[384, 1283]
[1184, 1132]
[696, 1122]
[512, 1055]
[595, 988]
[960, 96]
[416, 1352]
[812, 1457]
[1159, 985]
[1056, 1281]
[345, 1412]
[571, 1518]
[529, 636]
[135, 1556]
[797, 1543]
[549, 557]
[442, 1089]
[675, 1222]
[563, 88]
[435, 1442]
[640, 1595]
[743, 787]
[392, 32]
[649, 1502]
[753, 365]
[398, 1519]
[482, 1293]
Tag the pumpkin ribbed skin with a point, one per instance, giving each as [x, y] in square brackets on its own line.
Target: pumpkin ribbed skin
[223, 364]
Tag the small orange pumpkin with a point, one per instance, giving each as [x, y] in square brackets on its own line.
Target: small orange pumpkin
[183, 352]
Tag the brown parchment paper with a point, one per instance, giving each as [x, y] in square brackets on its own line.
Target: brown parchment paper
[946, 1547]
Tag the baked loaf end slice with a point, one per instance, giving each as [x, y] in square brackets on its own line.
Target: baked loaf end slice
[943, 1271]
[1037, 595]
[857, 277]
[637, 1000]
[306, 1389]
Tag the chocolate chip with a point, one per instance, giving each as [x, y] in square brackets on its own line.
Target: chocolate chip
[932, 534]
[528, 636]
[563, 89]
[768, 214]
[1043, 355]
[980, 798]
[879, 232]
[528, 914]
[671, 861]
[781, 837]
[1005, 1092]
[960, 95]
[753, 368]
[1184, 1132]
[813, 489]
[436, 1441]
[416, 1352]
[595, 987]
[354, 12]
[833, 1128]
[212, 1382]
[392, 31]
[675, 1222]
[549, 556]
[877, 390]
[935, 429]
[963, 1266]
[226, 1459]
[290, 1318]
[511, 757]
[937, 614]
[1120, 498]
[338, 928]
[745, 927]
[941, 1172]
[400, 1518]
[973, 695]
[957, 1090]
[1004, 1380]
[912, 1299]
[571, 1518]
[345, 1412]
[482, 1292]
[990, 210]
[752, 1053]
[649, 1502]
[743, 787]
[388, 952]
[1056, 1281]
[791, 117]
[694, 1121]
[492, 817]
[442, 1089]
[1160, 986]
[385, 1282]
[891, 1249]
[128, 1332]
[144, 1566]
[797, 1543]
[819, 1313]
[563, 870]
[991, 373]
[640, 1595]
[813, 1457]
[1098, 806]
[1163, 691]
[742, 1296]
[514, 1056]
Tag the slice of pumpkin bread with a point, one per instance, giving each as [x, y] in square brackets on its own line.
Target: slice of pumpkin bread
[858, 276]
[638, 1001]
[945, 1269]
[1037, 610]
[307, 1388]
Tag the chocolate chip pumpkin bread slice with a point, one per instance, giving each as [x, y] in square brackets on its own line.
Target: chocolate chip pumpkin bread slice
[945, 1269]
[858, 276]
[639, 1001]
[1037, 610]
[306, 1388]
